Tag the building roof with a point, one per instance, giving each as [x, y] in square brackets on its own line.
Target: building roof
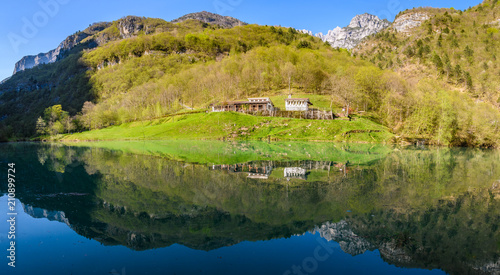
[238, 103]
[265, 98]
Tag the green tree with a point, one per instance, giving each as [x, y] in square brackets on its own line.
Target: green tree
[41, 126]
[468, 81]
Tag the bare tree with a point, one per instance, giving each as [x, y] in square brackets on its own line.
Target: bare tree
[288, 71]
[343, 89]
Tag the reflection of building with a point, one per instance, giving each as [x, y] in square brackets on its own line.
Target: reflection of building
[259, 172]
[254, 171]
[295, 172]
[292, 169]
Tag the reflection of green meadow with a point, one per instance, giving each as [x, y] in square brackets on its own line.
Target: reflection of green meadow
[219, 152]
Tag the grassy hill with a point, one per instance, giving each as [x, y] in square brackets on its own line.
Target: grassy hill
[237, 126]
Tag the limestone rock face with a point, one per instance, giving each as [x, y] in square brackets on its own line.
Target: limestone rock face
[408, 21]
[31, 61]
[130, 26]
[361, 26]
[212, 18]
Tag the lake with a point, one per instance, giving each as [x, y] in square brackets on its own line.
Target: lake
[209, 207]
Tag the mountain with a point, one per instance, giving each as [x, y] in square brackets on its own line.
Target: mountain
[349, 37]
[360, 27]
[127, 26]
[212, 18]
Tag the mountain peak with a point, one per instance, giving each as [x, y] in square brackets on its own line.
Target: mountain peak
[212, 18]
[361, 26]
[364, 20]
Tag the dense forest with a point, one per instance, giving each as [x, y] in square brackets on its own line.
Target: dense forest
[453, 50]
[110, 79]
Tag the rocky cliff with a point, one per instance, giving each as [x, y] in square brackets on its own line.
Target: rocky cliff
[212, 18]
[71, 41]
[408, 21]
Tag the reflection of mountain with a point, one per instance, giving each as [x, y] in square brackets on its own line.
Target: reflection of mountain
[444, 237]
[426, 209]
[341, 233]
[49, 215]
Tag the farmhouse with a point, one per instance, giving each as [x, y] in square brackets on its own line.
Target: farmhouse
[297, 104]
[259, 104]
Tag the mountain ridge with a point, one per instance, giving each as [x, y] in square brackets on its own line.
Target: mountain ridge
[128, 26]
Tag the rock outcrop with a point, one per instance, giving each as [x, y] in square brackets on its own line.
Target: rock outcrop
[408, 21]
[212, 18]
[130, 26]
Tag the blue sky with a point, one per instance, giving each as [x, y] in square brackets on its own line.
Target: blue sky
[51, 21]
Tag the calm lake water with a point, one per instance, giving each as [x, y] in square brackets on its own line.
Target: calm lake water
[178, 207]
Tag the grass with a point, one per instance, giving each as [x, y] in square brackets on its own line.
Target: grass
[236, 126]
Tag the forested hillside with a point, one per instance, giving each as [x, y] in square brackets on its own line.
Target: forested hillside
[453, 51]
[141, 69]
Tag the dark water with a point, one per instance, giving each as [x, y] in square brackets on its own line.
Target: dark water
[251, 208]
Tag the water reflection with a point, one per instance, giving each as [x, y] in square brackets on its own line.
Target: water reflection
[437, 208]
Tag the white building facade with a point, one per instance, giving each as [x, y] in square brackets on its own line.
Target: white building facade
[297, 104]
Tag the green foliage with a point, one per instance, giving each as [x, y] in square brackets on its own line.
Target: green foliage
[492, 30]
[304, 45]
